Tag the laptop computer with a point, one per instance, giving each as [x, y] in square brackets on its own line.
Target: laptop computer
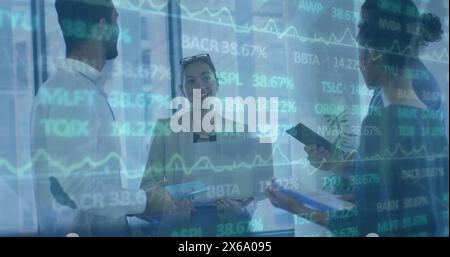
[237, 169]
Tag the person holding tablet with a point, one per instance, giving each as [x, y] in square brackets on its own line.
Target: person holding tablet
[400, 170]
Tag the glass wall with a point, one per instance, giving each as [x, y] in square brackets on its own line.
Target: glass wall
[16, 99]
[302, 51]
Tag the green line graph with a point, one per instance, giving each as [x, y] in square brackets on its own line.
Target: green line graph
[177, 162]
[344, 39]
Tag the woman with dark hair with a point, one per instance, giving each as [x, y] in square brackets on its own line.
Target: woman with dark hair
[400, 172]
[197, 73]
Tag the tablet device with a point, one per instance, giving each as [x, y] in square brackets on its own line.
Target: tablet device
[309, 137]
[231, 168]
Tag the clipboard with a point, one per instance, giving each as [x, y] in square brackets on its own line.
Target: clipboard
[319, 200]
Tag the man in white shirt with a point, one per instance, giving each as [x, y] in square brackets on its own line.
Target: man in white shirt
[77, 159]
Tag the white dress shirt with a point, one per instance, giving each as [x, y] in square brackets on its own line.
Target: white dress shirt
[73, 143]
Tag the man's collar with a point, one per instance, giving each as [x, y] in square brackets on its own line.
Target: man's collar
[73, 65]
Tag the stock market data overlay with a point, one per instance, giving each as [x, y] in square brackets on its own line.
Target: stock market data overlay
[220, 118]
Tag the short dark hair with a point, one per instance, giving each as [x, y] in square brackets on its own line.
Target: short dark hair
[76, 15]
[398, 29]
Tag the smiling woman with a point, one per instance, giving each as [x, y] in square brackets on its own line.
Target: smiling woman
[178, 157]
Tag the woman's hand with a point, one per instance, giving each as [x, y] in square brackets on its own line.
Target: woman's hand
[160, 201]
[228, 207]
[290, 204]
[283, 201]
[323, 159]
[184, 206]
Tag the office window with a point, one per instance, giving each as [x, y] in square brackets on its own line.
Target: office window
[16, 98]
